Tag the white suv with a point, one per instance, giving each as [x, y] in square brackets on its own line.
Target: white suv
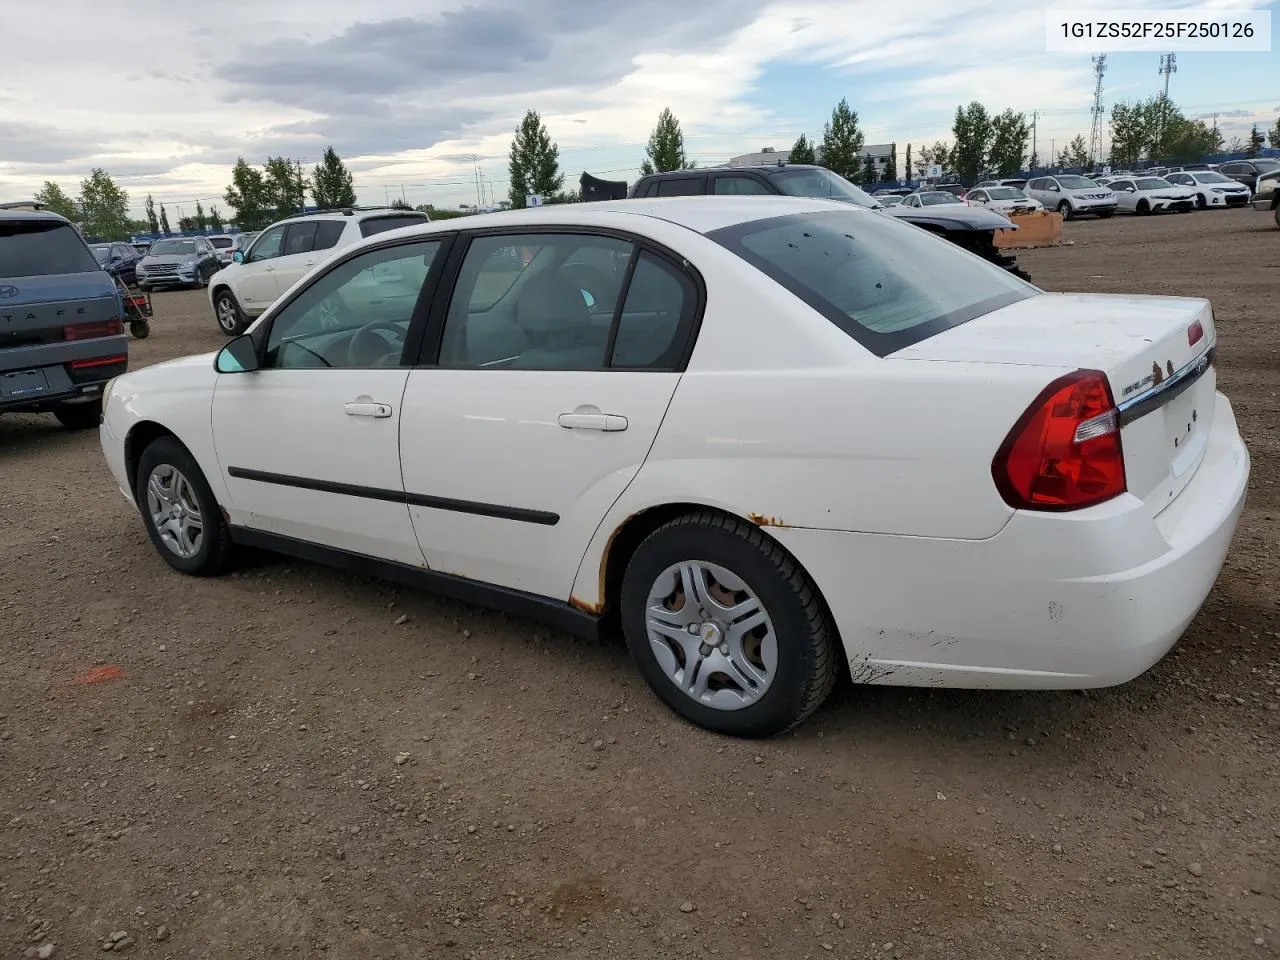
[1071, 195]
[285, 252]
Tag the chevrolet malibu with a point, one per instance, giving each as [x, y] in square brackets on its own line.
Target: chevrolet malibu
[770, 439]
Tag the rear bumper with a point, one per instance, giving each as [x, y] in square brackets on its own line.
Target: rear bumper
[62, 381]
[1061, 601]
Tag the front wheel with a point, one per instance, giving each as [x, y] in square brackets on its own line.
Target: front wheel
[1201, 202]
[183, 519]
[231, 319]
[1064, 208]
[79, 416]
[1106, 214]
[1143, 207]
[726, 628]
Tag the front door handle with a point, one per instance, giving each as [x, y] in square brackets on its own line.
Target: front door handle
[367, 408]
[608, 422]
[309, 263]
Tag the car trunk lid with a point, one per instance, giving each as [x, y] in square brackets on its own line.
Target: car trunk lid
[36, 310]
[1157, 355]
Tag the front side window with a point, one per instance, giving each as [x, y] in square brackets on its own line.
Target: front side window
[740, 186]
[267, 246]
[886, 283]
[356, 315]
[563, 302]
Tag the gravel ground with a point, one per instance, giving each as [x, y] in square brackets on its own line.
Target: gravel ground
[282, 768]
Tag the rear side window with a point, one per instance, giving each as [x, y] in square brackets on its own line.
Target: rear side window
[328, 233]
[382, 224]
[656, 319]
[680, 187]
[41, 248]
[299, 238]
[886, 283]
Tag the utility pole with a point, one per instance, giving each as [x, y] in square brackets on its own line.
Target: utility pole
[402, 199]
[1095, 132]
[475, 167]
[1168, 65]
[1035, 117]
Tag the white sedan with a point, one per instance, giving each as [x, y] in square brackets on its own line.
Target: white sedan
[773, 439]
[1005, 201]
[1211, 188]
[1142, 195]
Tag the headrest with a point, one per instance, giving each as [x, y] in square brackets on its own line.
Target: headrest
[551, 304]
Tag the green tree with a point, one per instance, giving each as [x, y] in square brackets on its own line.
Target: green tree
[907, 168]
[284, 186]
[1075, 153]
[566, 196]
[399, 203]
[1131, 132]
[1009, 133]
[938, 154]
[1273, 135]
[153, 222]
[972, 130]
[164, 220]
[534, 164]
[665, 150]
[332, 185]
[215, 217]
[842, 141]
[105, 207]
[247, 196]
[802, 151]
[891, 168]
[869, 175]
[200, 222]
[55, 198]
[1256, 142]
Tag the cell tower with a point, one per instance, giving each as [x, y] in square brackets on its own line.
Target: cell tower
[1095, 133]
[1168, 65]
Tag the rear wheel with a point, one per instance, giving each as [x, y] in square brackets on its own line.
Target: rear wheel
[79, 416]
[726, 628]
[231, 319]
[183, 519]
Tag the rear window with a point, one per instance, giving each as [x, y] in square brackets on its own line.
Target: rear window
[222, 243]
[886, 283]
[382, 224]
[41, 248]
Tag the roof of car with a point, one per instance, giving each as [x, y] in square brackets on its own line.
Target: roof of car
[700, 214]
[32, 215]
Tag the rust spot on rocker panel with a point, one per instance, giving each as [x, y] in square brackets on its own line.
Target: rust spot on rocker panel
[595, 609]
[762, 520]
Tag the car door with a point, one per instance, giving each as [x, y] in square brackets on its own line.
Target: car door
[979, 197]
[533, 410]
[1126, 194]
[297, 256]
[309, 443]
[256, 285]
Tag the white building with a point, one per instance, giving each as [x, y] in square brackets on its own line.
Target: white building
[880, 154]
[766, 155]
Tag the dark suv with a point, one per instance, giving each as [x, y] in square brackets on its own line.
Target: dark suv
[970, 227]
[61, 332]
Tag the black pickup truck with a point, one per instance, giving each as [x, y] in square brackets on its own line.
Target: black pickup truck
[61, 325]
[970, 227]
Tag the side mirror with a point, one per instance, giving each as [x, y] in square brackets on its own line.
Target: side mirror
[238, 356]
[238, 256]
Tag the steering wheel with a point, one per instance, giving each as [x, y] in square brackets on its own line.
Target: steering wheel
[368, 347]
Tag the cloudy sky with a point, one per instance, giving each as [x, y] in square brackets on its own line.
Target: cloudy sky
[165, 96]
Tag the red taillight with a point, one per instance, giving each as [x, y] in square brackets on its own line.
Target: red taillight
[1064, 452]
[98, 362]
[1195, 333]
[91, 331]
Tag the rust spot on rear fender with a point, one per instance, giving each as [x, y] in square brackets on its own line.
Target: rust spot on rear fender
[762, 520]
[595, 609]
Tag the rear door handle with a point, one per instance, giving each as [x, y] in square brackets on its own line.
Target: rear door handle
[309, 263]
[608, 422]
[367, 408]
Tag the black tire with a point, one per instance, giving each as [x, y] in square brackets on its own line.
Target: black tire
[1143, 207]
[1201, 202]
[79, 416]
[1064, 208]
[225, 305]
[213, 555]
[1275, 212]
[139, 329]
[1105, 214]
[806, 638]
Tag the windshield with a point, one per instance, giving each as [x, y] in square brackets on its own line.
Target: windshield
[1076, 183]
[820, 182]
[1267, 166]
[1006, 193]
[1154, 183]
[172, 247]
[940, 196]
[222, 243]
[1211, 176]
[101, 252]
[886, 283]
[41, 248]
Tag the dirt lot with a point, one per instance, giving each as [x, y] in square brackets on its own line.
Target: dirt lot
[237, 791]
